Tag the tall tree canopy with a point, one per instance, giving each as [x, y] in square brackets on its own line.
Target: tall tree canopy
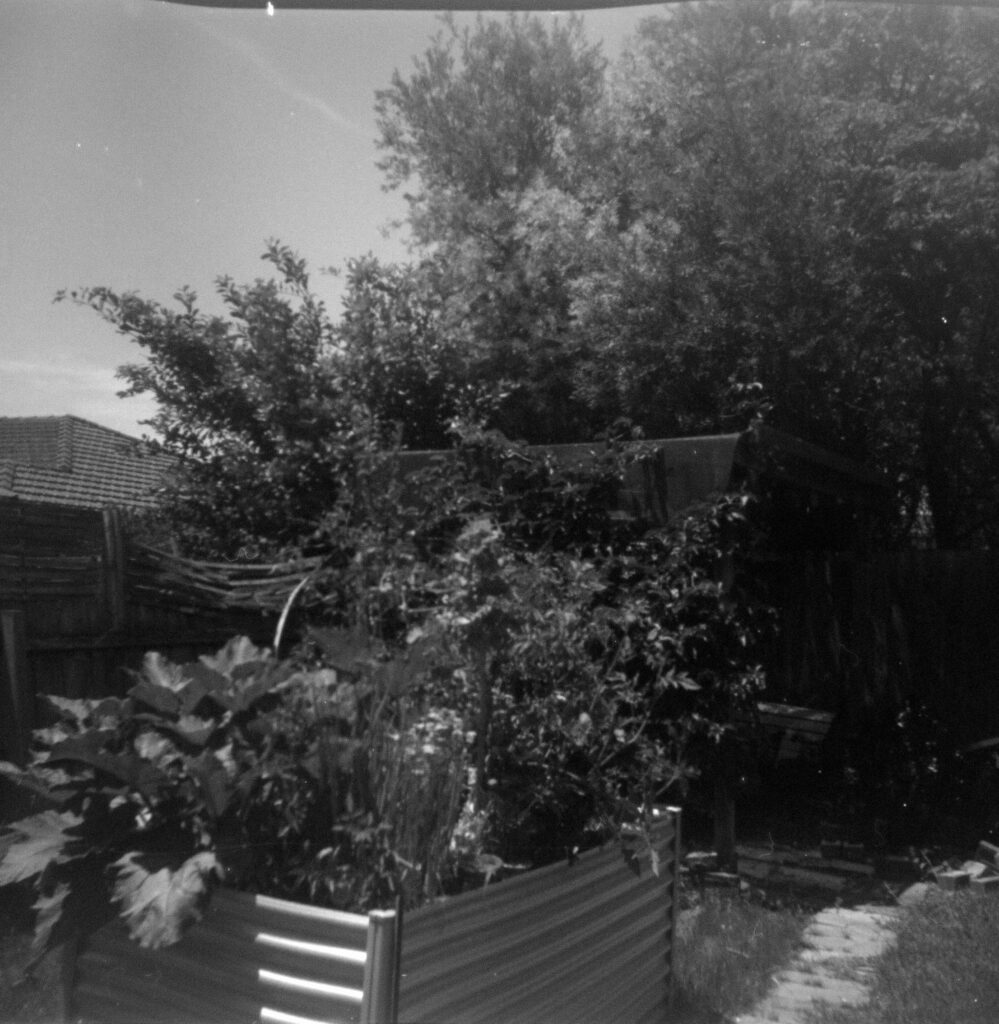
[485, 136]
[815, 229]
[787, 211]
[777, 211]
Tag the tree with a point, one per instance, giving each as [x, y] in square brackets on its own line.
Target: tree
[917, 95]
[769, 210]
[257, 407]
[486, 129]
[805, 229]
[396, 353]
[486, 113]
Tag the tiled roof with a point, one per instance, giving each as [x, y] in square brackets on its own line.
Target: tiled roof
[65, 460]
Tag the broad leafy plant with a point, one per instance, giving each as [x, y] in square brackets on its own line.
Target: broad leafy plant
[276, 777]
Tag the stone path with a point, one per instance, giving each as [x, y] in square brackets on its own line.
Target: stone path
[833, 969]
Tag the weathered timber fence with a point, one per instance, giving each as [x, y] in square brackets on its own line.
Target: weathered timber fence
[588, 942]
[252, 958]
[860, 636]
[81, 601]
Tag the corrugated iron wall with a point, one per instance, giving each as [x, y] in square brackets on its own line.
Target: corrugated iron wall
[582, 943]
[225, 968]
[576, 943]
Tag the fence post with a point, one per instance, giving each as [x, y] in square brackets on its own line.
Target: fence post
[114, 569]
[16, 697]
[381, 969]
[674, 896]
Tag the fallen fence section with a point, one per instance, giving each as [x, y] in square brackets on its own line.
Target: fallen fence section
[589, 942]
[252, 958]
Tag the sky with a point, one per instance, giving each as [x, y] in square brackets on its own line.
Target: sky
[146, 145]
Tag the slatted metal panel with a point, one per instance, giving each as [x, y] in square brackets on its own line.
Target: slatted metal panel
[573, 943]
[251, 958]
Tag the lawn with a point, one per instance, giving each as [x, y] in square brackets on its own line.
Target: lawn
[944, 967]
[728, 948]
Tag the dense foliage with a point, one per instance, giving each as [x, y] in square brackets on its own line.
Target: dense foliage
[256, 406]
[773, 210]
[604, 660]
[521, 672]
[328, 784]
[761, 210]
[486, 136]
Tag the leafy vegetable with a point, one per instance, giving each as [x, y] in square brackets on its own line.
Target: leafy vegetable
[38, 841]
[159, 906]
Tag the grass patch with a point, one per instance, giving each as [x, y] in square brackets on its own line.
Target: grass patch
[728, 949]
[943, 967]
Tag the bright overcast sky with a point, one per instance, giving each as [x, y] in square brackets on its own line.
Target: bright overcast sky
[146, 145]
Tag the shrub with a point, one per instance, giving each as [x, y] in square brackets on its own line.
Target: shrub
[600, 662]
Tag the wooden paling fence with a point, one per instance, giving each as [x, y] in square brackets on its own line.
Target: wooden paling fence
[862, 635]
[81, 601]
[587, 942]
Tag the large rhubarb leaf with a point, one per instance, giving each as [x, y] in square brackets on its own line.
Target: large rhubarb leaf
[102, 713]
[246, 689]
[38, 779]
[204, 682]
[158, 906]
[77, 711]
[161, 683]
[49, 910]
[238, 652]
[128, 768]
[35, 842]
[192, 729]
[159, 698]
[156, 748]
[50, 735]
[213, 781]
[85, 748]
[160, 672]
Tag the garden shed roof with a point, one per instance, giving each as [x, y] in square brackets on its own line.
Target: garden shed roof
[66, 460]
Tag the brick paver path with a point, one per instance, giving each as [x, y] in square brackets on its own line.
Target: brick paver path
[834, 967]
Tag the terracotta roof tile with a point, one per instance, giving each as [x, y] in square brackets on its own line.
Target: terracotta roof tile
[65, 460]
